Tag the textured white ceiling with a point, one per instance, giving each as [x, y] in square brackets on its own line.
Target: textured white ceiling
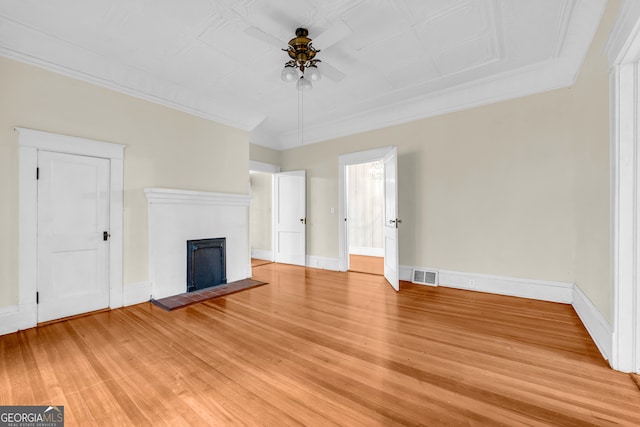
[402, 59]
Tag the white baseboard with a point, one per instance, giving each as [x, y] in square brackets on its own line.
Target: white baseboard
[262, 254]
[524, 288]
[323, 263]
[9, 319]
[135, 293]
[357, 250]
[405, 273]
[595, 323]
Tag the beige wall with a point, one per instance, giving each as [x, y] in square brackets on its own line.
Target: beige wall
[487, 190]
[592, 180]
[260, 213]
[518, 188]
[165, 148]
[258, 153]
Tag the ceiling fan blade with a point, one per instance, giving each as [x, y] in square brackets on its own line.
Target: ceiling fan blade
[332, 35]
[265, 37]
[331, 72]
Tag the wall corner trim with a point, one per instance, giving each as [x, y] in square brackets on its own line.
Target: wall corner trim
[595, 323]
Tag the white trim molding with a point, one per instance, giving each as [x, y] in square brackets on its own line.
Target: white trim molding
[262, 254]
[524, 288]
[30, 142]
[323, 263]
[255, 166]
[595, 323]
[542, 290]
[623, 51]
[620, 46]
[171, 196]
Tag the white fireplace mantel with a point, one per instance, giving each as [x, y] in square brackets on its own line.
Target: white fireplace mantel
[168, 195]
[176, 216]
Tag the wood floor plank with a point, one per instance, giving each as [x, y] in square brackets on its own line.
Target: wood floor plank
[318, 347]
[366, 264]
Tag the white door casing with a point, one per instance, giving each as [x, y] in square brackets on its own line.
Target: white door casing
[73, 214]
[391, 263]
[345, 160]
[290, 217]
[623, 51]
[30, 142]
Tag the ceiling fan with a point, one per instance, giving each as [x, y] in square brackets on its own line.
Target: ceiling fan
[302, 52]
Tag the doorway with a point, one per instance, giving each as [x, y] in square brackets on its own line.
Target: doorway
[365, 216]
[389, 158]
[261, 217]
[277, 215]
[31, 144]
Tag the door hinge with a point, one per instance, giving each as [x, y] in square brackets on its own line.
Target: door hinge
[37, 297]
[105, 235]
[37, 173]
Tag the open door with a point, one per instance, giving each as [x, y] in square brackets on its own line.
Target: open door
[391, 220]
[290, 217]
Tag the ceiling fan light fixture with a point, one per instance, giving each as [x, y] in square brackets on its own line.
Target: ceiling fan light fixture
[302, 54]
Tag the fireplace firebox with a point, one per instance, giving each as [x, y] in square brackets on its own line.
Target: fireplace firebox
[206, 263]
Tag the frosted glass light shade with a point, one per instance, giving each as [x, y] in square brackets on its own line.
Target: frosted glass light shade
[304, 84]
[288, 74]
[313, 74]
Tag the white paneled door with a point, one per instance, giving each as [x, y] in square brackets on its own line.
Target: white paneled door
[391, 220]
[73, 225]
[290, 217]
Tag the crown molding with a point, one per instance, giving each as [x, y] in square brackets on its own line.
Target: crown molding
[36, 47]
[28, 45]
[557, 72]
[542, 77]
[625, 30]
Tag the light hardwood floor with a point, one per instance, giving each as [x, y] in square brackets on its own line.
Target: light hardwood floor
[258, 262]
[366, 264]
[322, 348]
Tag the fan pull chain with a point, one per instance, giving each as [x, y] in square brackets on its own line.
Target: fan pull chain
[301, 116]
